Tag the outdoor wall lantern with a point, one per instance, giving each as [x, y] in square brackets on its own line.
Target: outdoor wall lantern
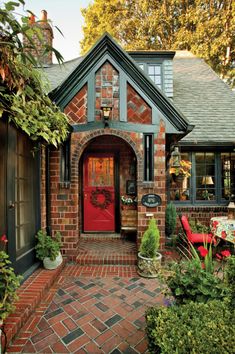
[175, 157]
[106, 113]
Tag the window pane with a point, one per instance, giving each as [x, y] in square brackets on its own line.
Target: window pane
[151, 70]
[205, 176]
[141, 66]
[180, 187]
[228, 175]
[148, 157]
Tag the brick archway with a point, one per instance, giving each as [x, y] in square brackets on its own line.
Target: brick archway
[86, 138]
[81, 143]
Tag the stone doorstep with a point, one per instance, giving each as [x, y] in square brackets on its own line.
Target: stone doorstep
[30, 294]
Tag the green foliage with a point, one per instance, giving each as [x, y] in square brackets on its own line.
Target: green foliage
[170, 219]
[150, 240]
[47, 246]
[23, 94]
[172, 24]
[230, 277]
[9, 282]
[189, 282]
[198, 227]
[192, 328]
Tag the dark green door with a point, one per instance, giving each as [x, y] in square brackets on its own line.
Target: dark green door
[21, 199]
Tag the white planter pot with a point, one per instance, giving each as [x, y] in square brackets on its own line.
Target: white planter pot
[149, 267]
[48, 264]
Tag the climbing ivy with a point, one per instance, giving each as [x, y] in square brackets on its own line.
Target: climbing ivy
[23, 90]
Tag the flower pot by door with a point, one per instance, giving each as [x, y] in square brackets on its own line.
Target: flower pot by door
[149, 267]
[48, 264]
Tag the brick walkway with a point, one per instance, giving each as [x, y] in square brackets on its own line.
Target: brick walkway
[91, 309]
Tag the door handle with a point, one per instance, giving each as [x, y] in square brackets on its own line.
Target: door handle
[11, 205]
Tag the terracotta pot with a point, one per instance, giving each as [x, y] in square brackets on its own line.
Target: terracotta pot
[149, 267]
[48, 264]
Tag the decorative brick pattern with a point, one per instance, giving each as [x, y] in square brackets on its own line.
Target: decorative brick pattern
[76, 110]
[91, 315]
[138, 111]
[107, 91]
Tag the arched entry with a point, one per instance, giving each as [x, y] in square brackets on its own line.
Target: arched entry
[108, 167]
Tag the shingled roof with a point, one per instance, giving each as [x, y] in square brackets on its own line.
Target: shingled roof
[205, 100]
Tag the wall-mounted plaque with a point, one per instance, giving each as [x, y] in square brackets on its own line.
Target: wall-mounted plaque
[151, 200]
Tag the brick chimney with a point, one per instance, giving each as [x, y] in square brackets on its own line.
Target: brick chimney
[47, 35]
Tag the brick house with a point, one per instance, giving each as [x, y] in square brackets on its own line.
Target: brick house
[127, 111]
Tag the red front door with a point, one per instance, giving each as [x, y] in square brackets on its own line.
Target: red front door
[98, 193]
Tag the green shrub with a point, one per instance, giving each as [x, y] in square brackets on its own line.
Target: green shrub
[194, 328]
[170, 219]
[47, 246]
[150, 241]
[198, 227]
[230, 277]
[189, 282]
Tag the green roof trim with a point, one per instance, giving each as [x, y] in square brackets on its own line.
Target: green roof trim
[105, 45]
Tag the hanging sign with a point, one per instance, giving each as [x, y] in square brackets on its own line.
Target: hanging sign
[151, 200]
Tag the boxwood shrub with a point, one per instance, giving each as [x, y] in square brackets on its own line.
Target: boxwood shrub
[193, 328]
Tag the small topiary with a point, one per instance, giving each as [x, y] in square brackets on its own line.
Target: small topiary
[170, 219]
[150, 241]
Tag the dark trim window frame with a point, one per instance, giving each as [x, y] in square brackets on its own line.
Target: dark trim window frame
[65, 161]
[148, 157]
[212, 179]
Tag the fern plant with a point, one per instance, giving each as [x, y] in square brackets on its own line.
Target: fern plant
[150, 241]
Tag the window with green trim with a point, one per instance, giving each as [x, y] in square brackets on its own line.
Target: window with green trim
[211, 180]
[148, 157]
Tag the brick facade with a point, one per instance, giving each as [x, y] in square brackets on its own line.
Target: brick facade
[66, 203]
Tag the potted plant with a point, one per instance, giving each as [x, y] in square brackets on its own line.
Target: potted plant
[149, 260]
[9, 282]
[128, 202]
[180, 172]
[48, 249]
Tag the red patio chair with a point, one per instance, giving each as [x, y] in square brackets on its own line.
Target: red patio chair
[193, 237]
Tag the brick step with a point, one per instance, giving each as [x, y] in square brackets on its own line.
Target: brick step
[101, 236]
[106, 252]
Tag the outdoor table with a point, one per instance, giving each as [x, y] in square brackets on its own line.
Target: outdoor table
[223, 228]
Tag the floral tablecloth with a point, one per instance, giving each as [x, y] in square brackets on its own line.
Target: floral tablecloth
[223, 227]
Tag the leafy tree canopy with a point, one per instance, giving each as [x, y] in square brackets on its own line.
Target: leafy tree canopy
[206, 28]
[23, 98]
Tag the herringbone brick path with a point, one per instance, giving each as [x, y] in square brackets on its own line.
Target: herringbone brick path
[91, 313]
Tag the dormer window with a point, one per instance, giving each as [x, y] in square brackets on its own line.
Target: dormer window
[154, 71]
